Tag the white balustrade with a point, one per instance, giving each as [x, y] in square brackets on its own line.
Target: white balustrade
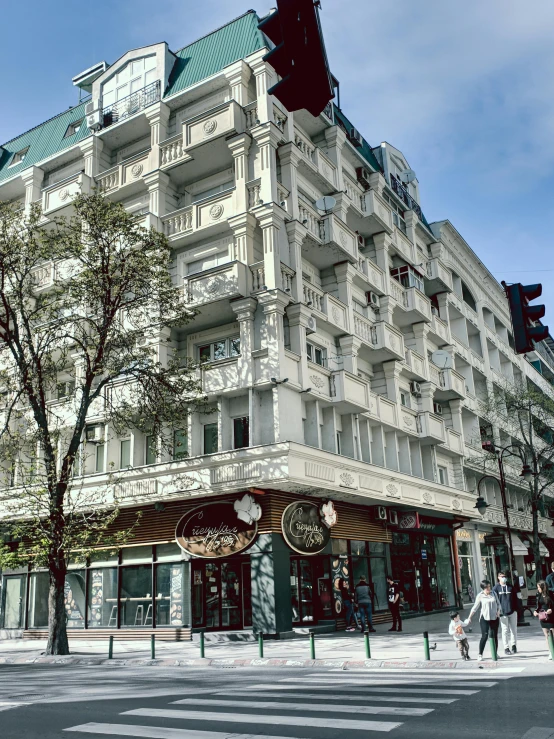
[287, 275]
[258, 276]
[280, 118]
[171, 151]
[251, 112]
[254, 189]
[178, 222]
[314, 295]
[305, 146]
[108, 181]
[309, 218]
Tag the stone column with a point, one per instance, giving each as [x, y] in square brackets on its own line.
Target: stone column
[271, 604]
[245, 308]
[265, 77]
[350, 347]
[32, 179]
[238, 76]
[239, 146]
[268, 138]
[299, 315]
[427, 393]
[92, 148]
[392, 372]
[157, 183]
[295, 235]
[456, 410]
[381, 242]
[158, 118]
[270, 224]
[344, 273]
[289, 157]
[335, 139]
[243, 227]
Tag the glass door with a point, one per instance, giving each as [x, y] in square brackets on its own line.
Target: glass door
[221, 594]
[14, 591]
[230, 595]
[301, 587]
[212, 595]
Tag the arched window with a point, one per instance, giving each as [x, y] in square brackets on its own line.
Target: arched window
[468, 297]
[129, 79]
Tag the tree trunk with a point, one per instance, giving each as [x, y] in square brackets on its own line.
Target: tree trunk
[57, 621]
[536, 540]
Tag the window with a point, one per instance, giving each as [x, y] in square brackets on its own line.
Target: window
[218, 350]
[404, 398]
[100, 458]
[210, 438]
[65, 389]
[397, 214]
[339, 445]
[19, 156]
[124, 454]
[151, 450]
[443, 475]
[241, 432]
[180, 444]
[408, 277]
[73, 128]
[316, 354]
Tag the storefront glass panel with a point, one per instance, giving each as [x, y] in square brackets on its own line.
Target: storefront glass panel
[444, 572]
[487, 563]
[136, 596]
[465, 561]
[379, 581]
[102, 598]
[169, 594]
[74, 598]
[230, 595]
[212, 595]
[12, 605]
[38, 600]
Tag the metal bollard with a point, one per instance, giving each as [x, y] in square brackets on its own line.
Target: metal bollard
[261, 645]
[110, 648]
[492, 644]
[426, 646]
[153, 646]
[367, 646]
[312, 645]
[551, 643]
[202, 649]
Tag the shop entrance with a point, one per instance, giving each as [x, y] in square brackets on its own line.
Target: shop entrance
[221, 594]
[12, 607]
[311, 590]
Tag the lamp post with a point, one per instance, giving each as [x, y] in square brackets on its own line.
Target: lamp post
[526, 474]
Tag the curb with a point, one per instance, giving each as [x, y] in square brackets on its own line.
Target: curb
[343, 664]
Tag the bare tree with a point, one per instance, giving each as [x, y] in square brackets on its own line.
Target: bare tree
[87, 306]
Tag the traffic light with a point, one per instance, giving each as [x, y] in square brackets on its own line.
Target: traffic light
[524, 316]
[299, 56]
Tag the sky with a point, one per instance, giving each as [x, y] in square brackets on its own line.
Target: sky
[464, 90]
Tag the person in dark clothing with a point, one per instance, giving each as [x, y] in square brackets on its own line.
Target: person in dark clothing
[545, 610]
[348, 605]
[507, 596]
[393, 595]
[363, 599]
[550, 580]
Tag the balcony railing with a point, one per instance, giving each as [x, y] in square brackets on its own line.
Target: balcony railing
[131, 104]
[404, 195]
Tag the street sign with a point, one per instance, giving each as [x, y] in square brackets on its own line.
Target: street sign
[495, 540]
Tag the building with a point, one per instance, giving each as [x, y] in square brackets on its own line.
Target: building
[348, 342]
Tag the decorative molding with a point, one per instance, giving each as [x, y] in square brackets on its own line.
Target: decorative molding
[428, 498]
[234, 472]
[392, 491]
[216, 211]
[347, 480]
[209, 127]
[63, 194]
[317, 381]
[320, 471]
[136, 170]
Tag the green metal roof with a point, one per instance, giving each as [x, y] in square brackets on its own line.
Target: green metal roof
[365, 150]
[217, 50]
[194, 62]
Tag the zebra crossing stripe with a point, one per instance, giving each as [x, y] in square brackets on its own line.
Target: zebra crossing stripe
[248, 718]
[163, 732]
[328, 708]
[372, 689]
[315, 696]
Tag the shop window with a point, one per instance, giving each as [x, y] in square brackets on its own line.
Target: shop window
[74, 598]
[241, 432]
[168, 552]
[339, 546]
[151, 450]
[136, 554]
[100, 458]
[443, 475]
[102, 598]
[444, 572]
[38, 600]
[169, 594]
[136, 596]
[124, 454]
[180, 445]
[218, 350]
[358, 548]
[210, 438]
[316, 354]
[378, 566]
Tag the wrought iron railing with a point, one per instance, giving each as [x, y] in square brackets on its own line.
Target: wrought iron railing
[131, 104]
[404, 195]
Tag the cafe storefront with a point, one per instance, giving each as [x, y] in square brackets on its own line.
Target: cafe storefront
[262, 560]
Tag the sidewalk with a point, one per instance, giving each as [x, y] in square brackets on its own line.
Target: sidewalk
[337, 649]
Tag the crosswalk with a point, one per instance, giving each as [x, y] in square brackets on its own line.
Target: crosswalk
[309, 705]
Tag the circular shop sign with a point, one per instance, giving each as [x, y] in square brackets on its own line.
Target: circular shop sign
[304, 529]
[214, 530]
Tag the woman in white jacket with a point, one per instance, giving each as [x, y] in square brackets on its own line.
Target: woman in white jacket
[489, 620]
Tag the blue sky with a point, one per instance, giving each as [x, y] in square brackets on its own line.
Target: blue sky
[463, 89]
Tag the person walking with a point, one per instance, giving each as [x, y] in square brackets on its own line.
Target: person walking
[550, 580]
[545, 611]
[456, 631]
[348, 605]
[489, 621]
[507, 597]
[363, 599]
[393, 595]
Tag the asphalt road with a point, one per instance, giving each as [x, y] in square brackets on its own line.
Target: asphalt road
[175, 703]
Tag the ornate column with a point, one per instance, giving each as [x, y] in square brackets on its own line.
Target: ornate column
[32, 179]
[350, 347]
[157, 183]
[420, 335]
[238, 75]
[239, 146]
[295, 234]
[335, 138]
[267, 136]
[245, 308]
[158, 118]
[289, 157]
[92, 148]
[381, 242]
[456, 410]
[265, 77]
[344, 273]
[243, 226]
[427, 393]
[270, 224]
[299, 315]
[392, 372]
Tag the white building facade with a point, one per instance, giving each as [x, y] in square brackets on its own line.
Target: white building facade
[316, 340]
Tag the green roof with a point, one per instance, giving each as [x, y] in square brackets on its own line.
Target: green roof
[217, 50]
[195, 62]
[365, 149]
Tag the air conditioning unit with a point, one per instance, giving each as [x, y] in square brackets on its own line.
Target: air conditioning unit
[373, 299]
[379, 513]
[361, 241]
[393, 517]
[363, 176]
[95, 434]
[355, 137]
[437, 409]
[89, 107]
[94, 120]
[311, 327]
[415, 388]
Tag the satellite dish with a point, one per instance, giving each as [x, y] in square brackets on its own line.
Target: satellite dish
[326, 203]
[407, 176]
[442, 359]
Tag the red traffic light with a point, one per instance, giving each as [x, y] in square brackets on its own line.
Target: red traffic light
[524, 316]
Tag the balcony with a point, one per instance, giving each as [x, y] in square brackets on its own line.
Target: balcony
[382, 411]
[220, 376]
[438, 277]
[451, 385]
[384, 341]
[257, 273]
[210, 215]
[439, 330]
[377, 214]
[326, 308]
[401, 244]
[454, 443]
[128, 174]
[349, 393]
[414, 305]
[315, 165]
[414, 366]
[339, 237]
[131, 104]
[398, 188]
[430, 428]
[58, 197]
[329, 231]
[369, 275]
[219, 283]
